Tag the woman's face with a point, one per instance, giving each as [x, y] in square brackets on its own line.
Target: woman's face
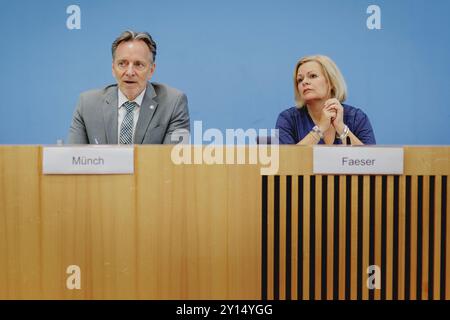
[312, 83]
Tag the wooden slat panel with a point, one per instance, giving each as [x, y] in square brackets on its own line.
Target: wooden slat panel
[330, 237]
[282, 278]
[401, 238]
[342, 220]
[425, 236]
[447, 245]
[413, 277]
[318, 240]
[306, 235]
[378, 213]
[354, 239]
[437, 238]
[295, 235]
[366, 236]
[389, 236]
[270, 237]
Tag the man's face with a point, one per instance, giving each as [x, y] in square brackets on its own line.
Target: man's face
[132, 67]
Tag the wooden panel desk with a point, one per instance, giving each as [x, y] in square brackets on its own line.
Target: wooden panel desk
[224, 231]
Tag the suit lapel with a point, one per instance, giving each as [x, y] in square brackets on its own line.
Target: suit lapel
[146, 113]
[110, 114]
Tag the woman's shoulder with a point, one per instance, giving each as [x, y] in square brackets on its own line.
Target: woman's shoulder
[352, 112]
[350, 109]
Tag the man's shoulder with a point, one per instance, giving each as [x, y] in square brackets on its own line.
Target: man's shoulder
[99, 92]
[163, 89]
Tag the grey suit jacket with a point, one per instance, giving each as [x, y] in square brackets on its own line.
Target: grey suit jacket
[163, 110]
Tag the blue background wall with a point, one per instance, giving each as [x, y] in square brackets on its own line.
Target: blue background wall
[234, 59]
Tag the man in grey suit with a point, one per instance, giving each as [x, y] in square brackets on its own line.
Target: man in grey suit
[133, 110]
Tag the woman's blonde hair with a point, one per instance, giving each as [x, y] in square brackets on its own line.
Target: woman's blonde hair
[338, 88]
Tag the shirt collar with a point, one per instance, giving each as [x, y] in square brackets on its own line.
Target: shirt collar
[122, 98]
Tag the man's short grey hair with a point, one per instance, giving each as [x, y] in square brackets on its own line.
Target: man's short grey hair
[130, 35]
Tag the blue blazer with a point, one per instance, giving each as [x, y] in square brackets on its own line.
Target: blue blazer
[295, 123]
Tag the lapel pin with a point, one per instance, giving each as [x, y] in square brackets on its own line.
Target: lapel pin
[152, 107]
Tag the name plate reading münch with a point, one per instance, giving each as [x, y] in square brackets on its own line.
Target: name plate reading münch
[357, 160]
[88, 160]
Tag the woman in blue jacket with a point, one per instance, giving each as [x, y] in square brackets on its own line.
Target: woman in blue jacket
[319, 116]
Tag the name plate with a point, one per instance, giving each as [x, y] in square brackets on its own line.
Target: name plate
[88, 160]
[357, 160]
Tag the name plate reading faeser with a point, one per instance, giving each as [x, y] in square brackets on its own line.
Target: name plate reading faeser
[357, 160]
[88, 160]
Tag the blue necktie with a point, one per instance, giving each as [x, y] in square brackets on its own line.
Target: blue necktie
[126, 128]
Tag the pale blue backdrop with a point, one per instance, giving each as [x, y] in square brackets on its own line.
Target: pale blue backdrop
[233, 59]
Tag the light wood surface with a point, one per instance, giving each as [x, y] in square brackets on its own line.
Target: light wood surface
[195, 232]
